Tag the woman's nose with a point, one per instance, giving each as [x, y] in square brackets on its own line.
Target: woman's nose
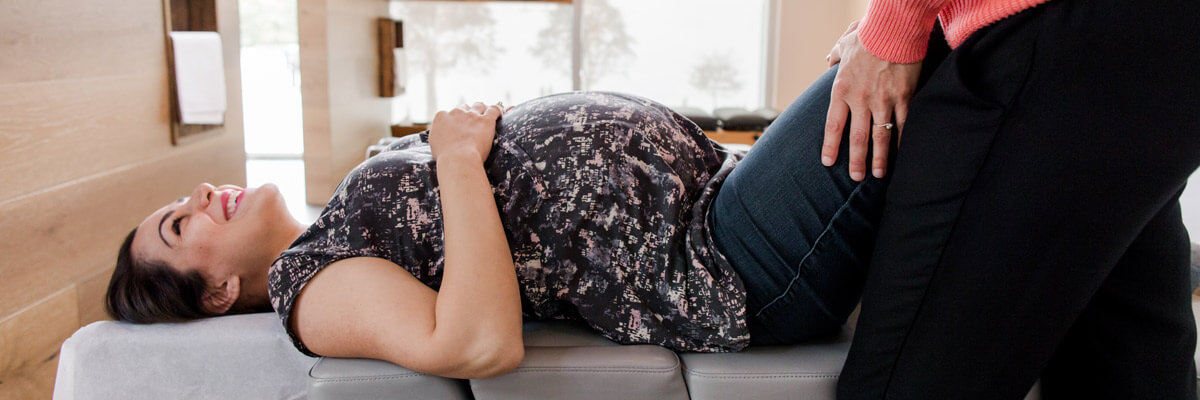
[202, 195]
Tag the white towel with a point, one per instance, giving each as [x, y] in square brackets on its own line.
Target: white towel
[199, 77]
[400, 70]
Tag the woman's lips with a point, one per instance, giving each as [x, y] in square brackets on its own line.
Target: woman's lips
[230, 205]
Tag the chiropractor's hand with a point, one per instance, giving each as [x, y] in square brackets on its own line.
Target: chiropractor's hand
[465, 131]
[869, 90]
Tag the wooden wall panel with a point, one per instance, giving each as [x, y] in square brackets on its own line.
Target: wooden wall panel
[343, 112]
[35, 382]
[86, 154]
[89, 295]
[80, 126]
[87, 112]
[29, 341]
[77, 228]
[314, 88]
[73, 39]
[359, 115]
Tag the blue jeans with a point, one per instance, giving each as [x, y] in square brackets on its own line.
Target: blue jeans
[798, 233]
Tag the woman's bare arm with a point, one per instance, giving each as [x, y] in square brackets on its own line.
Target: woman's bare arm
[479, 303]
[370, 307]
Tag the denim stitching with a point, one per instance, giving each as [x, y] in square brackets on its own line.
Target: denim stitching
[799, 267]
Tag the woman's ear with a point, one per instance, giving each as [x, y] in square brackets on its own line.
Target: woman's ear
[218, 300]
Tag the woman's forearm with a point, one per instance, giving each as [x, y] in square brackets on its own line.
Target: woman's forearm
[478, 304]
[898, 30]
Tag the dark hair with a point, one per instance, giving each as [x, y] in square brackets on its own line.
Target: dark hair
[148, 291]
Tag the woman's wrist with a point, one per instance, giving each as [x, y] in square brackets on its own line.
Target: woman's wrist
[898, 31]
[466, 156]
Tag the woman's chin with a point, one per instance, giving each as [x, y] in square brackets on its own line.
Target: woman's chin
[269, 188]
[270, 197]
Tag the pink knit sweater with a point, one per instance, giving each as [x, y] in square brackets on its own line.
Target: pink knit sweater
[898, 30]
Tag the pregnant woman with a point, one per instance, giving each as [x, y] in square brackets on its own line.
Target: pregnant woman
[599, 207]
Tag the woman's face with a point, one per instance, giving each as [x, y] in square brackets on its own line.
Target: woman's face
[216, 230]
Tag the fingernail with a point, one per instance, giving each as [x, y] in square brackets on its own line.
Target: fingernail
[826, 161]
[878, 172]
[858, 176]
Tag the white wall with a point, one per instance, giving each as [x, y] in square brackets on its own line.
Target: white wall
[806, 30]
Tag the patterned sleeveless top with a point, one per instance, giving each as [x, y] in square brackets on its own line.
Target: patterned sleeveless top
[603, 199]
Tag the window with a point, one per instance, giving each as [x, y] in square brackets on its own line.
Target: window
[699, 53]
[462, 52]
[271, 110]
[271, 79]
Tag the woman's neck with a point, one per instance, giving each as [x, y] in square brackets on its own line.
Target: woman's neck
[254, 286]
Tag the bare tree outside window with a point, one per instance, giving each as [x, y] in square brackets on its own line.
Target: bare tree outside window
[440, 36]
[267, 22]
[716, 75]
[605, 42]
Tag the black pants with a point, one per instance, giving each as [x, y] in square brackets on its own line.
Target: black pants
[1032, 227]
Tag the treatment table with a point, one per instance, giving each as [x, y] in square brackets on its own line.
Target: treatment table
[250, 357]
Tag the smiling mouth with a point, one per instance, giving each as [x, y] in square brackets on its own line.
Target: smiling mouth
[231, 203]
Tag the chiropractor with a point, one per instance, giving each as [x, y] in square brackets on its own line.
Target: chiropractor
[1032, 225]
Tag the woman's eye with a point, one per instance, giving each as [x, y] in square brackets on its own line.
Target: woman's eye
[175, 225]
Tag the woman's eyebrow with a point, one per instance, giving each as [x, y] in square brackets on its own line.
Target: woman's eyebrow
[160, 226]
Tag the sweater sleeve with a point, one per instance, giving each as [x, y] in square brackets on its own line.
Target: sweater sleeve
[898, 30]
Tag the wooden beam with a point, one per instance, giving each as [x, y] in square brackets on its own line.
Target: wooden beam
[343, 113]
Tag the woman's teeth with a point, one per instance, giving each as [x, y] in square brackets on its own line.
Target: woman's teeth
[231, 204]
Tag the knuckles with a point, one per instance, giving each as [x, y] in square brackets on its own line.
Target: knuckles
[841, 87]
[832, 126]
[858, 137]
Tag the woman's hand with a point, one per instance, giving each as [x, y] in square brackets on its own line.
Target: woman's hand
[464, 131]
[869, 90]
[834, 55]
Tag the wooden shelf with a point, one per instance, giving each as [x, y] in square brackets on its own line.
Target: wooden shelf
[186, 15]
[741, 137]
[405, 130]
